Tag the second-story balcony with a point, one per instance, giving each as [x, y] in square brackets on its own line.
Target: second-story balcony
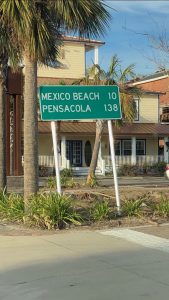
[164, 117]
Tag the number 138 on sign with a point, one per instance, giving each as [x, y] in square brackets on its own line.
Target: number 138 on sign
[111, 107]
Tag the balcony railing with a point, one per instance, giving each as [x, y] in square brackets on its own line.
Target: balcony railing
[48, 161]
[140, 160]
[45, 161]
[164, 118]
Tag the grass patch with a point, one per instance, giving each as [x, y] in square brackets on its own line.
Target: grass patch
[64, 180]
[162, 207]
[100, 211]
[11, 207]
[50, 210]
[132, 207]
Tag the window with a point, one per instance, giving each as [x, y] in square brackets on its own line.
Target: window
[88, 153]
[136, 102]
[117, 147]
[74, 153]
[140, 147]
[126, 147]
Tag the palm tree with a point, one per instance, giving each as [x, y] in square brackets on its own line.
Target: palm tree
[114, 76]
[38, 25]
[36, 34]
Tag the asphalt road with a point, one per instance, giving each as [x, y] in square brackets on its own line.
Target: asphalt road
[83, 265]
[146, 181]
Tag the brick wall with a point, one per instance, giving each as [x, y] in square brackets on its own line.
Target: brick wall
[15, 184]
[160, 85]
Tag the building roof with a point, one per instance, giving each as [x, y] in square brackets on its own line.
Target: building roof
[143, 129]
[151, 92]
[157, 82]
[88, 128]
[156, 75]
[82, 40]
[89, 43]
[152, 77]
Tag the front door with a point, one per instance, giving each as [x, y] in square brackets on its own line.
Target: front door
[74, 153]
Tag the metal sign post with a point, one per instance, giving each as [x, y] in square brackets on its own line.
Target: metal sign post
[56, 156]
[111, 141]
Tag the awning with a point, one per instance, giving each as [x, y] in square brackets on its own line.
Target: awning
[88, 128]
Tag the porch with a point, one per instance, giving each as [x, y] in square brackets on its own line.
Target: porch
[104, 164]
[46, 164]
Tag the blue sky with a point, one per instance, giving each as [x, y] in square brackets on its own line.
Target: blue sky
[132, 27]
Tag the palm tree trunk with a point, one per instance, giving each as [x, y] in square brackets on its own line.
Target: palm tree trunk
[2, 138]
[30, 129]
[93, 164]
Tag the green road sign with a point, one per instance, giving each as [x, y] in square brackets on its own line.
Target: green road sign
[79, 102]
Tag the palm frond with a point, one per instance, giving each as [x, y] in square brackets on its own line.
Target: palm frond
[114, 64]
[39, 23]
[9, 50]
[88, 18]
[128, 107]
[34, 29]
[127, 73]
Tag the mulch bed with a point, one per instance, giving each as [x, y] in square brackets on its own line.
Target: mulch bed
[85, 199]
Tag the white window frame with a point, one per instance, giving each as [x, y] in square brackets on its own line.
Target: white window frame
[116, 142]
[144, 141]
[123, 142]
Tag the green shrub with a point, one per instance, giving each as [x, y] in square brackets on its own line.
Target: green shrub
[159, 167]
[71, 183]
[43, 171]
[50, 210]
[162, 208]
[100, 211]
[51, 182]
[66, 173]
[130, 170]
[64, 181]
[132, 207]
[3, 194]
[11, 207]
[133, 170]
[64, 177]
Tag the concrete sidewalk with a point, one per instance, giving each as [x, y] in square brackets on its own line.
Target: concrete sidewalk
[81, 265]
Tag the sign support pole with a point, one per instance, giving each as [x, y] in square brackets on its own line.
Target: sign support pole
[56, 156]
[111, 141]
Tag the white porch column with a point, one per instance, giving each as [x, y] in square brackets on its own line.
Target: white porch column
[99, 162]
[63, 152]
[133, 150]
[96, 55]
[103, 167]
[166, 149]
